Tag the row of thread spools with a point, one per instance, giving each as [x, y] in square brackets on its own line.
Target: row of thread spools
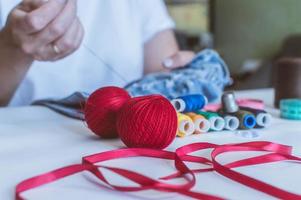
[192, 119]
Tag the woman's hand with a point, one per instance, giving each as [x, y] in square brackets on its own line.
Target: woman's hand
[45, 30]
[36, 30]
[162, 53]
[179, 59]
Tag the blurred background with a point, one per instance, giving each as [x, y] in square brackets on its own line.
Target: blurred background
[249, 34]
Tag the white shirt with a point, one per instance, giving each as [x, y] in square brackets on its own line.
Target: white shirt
[115, 30]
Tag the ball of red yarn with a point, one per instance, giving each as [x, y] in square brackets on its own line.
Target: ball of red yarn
[101, 110]
[149, 122]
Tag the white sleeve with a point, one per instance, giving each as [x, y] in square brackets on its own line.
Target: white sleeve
[154, 18]
[1, 17]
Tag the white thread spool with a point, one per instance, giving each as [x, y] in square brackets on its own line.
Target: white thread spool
[217, 123]
[264, 119]
[231, 123]
[178, 104]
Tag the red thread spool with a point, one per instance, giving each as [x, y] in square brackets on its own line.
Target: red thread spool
[101, 110]
[149, 121]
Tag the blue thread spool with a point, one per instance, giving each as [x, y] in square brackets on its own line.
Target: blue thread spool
[263, 119]
[247, 119]
[189, 103]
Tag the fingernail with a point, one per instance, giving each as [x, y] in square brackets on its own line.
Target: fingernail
[168, 63]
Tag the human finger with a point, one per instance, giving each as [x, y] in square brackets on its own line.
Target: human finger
[179, 59]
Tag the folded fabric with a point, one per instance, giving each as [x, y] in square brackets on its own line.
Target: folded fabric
[71, 106]
[207, 74]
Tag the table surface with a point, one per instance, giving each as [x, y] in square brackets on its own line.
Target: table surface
[34, 140]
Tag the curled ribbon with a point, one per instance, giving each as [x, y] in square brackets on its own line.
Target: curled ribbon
[277, 152]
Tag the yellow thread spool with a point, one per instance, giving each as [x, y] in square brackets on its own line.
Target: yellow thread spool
[202, 125]
[185, 125]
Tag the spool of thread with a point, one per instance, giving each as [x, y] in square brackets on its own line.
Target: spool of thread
[290, 109]
[185, 125]
[148, 121]
[263, 119]
[229, 103]
[288, 79]
[217, 123]
[201, 124]
[231, 123]
[101, 110]
[189, 103]
[246, 119]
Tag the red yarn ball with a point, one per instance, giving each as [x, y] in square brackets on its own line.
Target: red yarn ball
[101, 110]
[149, 122]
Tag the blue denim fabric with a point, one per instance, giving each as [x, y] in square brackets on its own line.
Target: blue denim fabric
[207, 74]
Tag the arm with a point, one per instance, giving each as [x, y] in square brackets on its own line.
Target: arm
[13, 67]
[36, 30]
[162, 53]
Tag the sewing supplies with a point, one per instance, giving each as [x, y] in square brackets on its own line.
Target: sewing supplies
[288, 79]
[290, 109]
[229, 104]
[231, 122]
[263, 119]
[189, 103]
[147, 121]
[93, 164]
[101, 110]
[217, 123]
[186, 126]
[201, 124]
[247, 120]
[206, 74]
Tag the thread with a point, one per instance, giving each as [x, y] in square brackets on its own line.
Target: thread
[101, 110]
[216, 122]
[201, 124]
[189, 103]
[231, 123]
[246, 119]
[185, 125]
[263, 119]
[103, 62]
[148, 121]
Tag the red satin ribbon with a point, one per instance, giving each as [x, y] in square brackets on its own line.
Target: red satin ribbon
[91, 164]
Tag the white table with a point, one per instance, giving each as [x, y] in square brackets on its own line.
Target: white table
[34, 140]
